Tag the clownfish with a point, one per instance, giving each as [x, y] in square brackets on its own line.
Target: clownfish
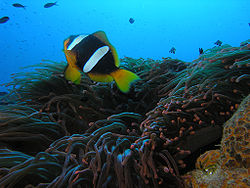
[95, 56]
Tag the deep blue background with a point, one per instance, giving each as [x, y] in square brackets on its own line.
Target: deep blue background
[37, 33]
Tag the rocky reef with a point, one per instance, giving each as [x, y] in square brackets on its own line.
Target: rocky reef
[57, 134]
[228, 166]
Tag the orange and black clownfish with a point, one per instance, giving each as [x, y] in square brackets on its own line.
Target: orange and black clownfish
[95, 56]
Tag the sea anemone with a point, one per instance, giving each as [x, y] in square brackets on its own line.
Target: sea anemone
[96, 136]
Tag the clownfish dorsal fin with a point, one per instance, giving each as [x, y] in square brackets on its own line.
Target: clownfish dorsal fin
[103, 37]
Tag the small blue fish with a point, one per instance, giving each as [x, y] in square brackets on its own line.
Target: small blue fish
[200, 51]
[218, 42]
[172, 50]
[131, 20]
[18, 5]
[48, 5]
[4, 19]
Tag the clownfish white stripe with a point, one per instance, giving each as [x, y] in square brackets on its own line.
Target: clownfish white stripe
[95, 58]
[76, 41]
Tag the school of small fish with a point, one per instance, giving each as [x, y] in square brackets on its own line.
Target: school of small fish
[4, 19]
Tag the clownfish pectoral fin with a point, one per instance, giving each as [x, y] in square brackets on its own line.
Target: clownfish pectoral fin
[124, 78]
[72, 74]
[103, 37]
[100, 77]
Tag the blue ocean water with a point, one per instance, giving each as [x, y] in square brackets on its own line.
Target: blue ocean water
[37, 33]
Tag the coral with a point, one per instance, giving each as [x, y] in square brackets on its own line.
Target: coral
[235, 142]
[228, 166]
[92, 135]
[208, 161]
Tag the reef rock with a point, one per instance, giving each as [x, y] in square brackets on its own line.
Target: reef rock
[229, 166]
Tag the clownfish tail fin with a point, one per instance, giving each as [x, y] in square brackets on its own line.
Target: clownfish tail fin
[124, 78]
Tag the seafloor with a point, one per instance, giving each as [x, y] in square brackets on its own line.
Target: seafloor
[181, 125]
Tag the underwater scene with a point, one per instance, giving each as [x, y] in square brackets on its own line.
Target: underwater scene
[126, 94]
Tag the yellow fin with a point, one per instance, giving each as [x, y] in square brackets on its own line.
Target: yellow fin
[100, 77]
[103, 37]
[71, 58]
[72, 74]
[124, 78]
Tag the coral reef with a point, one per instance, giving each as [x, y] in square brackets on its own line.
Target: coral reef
[229, 166]
[57, 134]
